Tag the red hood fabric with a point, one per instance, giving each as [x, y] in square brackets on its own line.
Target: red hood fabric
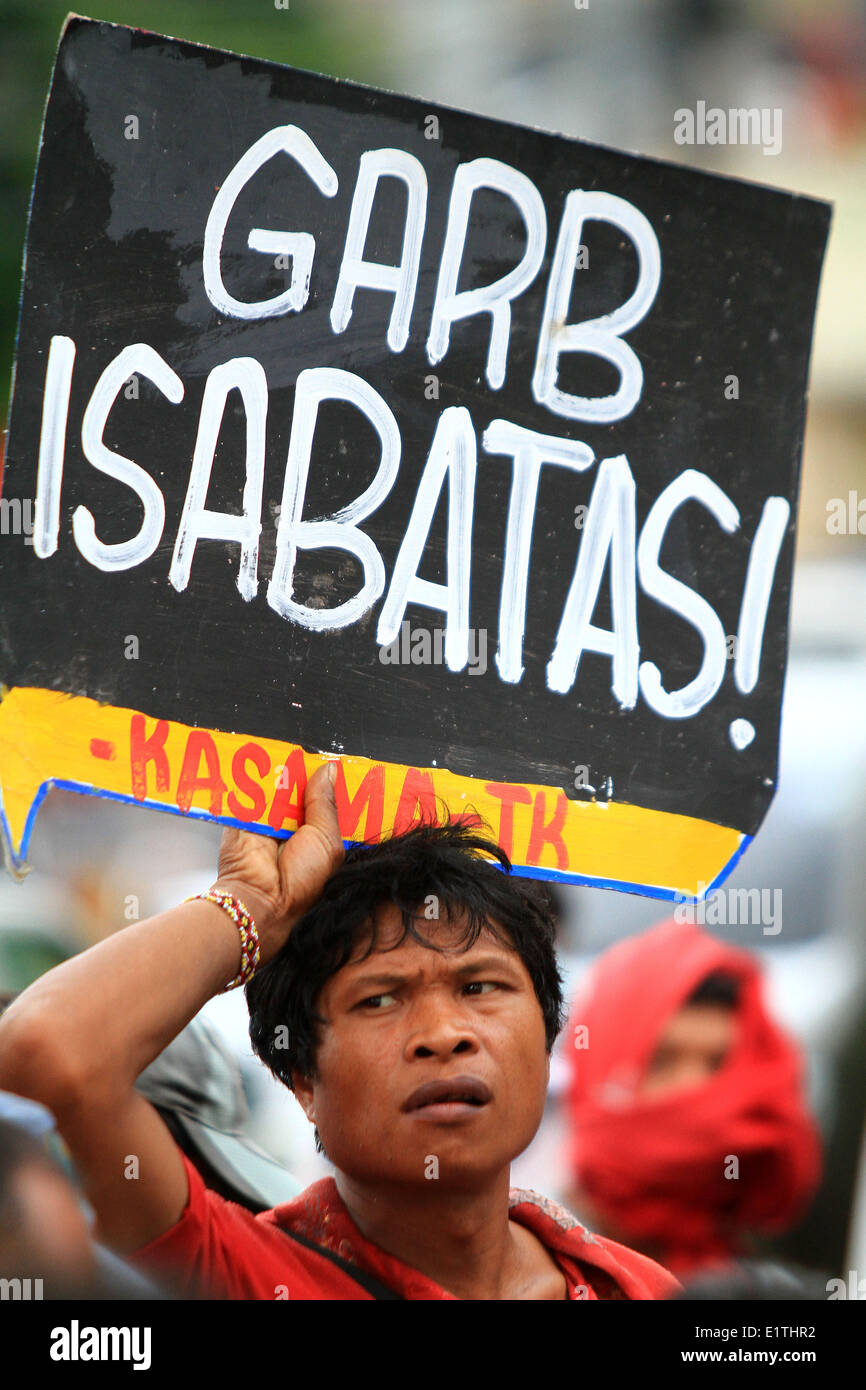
[655, 1167]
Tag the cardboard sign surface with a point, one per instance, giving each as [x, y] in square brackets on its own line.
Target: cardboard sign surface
[348, 424]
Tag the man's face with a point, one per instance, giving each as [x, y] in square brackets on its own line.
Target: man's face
[694, 1044]
[432, 1066]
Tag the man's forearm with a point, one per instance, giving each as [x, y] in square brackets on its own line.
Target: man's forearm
[99, 1019]
[79, 1037]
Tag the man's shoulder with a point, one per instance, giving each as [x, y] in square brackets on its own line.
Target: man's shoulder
[612, 1270]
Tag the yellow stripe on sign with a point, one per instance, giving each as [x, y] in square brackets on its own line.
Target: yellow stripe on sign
[47, 737]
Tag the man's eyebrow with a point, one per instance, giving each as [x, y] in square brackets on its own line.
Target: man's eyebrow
[490, 962]
[474, 967]
[383, 981]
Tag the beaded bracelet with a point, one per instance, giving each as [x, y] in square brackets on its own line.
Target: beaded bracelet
[250, 952]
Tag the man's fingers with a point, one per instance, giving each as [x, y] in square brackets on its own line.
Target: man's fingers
[316, 849]
[231, 847]
[320, 809]
[237, 845]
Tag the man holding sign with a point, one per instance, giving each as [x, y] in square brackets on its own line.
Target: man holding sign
[422, 1060]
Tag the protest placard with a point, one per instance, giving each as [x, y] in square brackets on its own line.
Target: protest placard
[347, 424]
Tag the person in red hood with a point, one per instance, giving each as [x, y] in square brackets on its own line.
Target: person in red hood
[689, 1128]
[408, 993]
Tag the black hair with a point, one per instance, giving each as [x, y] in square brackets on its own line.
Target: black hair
[431, 872]
[717, 988]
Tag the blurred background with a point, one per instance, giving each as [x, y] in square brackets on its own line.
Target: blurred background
[612, 72]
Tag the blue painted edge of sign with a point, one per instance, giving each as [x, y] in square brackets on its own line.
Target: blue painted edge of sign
[522, 870]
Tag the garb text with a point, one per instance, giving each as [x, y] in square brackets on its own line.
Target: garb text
[608, 539]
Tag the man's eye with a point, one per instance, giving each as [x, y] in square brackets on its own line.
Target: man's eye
[375, 1001]
[478, 985]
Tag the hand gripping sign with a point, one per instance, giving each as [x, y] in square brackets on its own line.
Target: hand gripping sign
[322, 394]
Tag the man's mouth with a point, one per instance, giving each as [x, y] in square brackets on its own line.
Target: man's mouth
[465, 1090]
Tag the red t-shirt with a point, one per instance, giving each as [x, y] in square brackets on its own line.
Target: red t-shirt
[220, 1250]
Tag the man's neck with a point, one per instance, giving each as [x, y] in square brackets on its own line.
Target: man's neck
[463, 1240]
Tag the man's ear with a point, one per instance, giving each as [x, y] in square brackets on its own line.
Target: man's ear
[303, 1089]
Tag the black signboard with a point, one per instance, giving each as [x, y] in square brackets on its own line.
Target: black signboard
[347, 424]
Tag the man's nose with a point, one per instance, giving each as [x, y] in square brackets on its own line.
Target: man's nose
[440, 1026]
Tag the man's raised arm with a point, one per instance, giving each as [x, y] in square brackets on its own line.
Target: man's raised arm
[80, 1036]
